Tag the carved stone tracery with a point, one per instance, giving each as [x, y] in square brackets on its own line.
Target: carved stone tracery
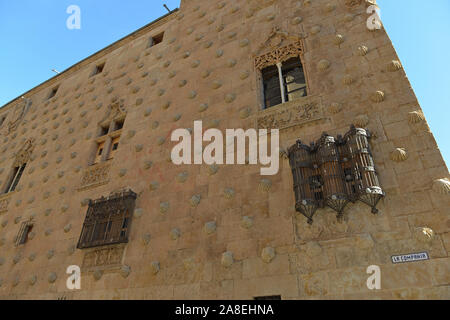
[278, 52]
[116, 111]
[24, 154]
[95, 175]
[17, 116]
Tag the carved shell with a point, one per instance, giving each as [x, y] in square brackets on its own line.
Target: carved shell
[338, 39]
[195, 200]
[362, 51]
[227, 259]
[155, 267]
[361, 121]
[210, 227]
[315, 29]
[265, 185]
[335, 107]
[378, 96]
[399, 155]
[268, 254]
[441, 186]
[347, 79]
[416, 117]
[424, 234]
[394, 65]
[323, 65]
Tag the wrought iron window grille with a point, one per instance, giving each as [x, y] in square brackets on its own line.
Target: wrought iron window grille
[108, 220]
[333, 172]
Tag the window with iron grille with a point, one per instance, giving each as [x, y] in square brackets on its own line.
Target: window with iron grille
[108, 220]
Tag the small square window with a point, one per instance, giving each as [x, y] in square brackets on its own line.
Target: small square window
[53, 93]
[156, 40]
[98, 69]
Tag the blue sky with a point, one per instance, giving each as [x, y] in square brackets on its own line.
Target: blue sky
[35, 40]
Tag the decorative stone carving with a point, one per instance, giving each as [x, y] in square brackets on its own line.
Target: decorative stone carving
[394, 65]
[155, 267]
[108, 256]
[229, 193]
[347, 79]
[315, 29]
[279, 55]
[292, 113]
[98, 274]
[17, 115]
[424, 234]
[163, 207]
[175, 234]
[212, 169]
[146, 238]
[362, 50]
[323, 65]
[265, 185]
[416, 117]
[441, 186]
[247, 222]
[338, 39]
[125, 271]
[268, 254]
[24, 154]
[335, 107]
[4, 204]
[210, 227]
[361, 121]
[52, 277]
[95, 175]
[377, 96]
[352, 3]
[227, 259]
[399, 154]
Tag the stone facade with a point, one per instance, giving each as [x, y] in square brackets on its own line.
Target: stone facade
[223, 232]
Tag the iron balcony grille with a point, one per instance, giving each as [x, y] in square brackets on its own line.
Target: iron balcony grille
[108, 220]
[333, 172]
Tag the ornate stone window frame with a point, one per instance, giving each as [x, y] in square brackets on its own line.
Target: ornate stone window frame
[275, 57]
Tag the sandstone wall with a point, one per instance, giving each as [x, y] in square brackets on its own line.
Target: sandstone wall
[205, 70]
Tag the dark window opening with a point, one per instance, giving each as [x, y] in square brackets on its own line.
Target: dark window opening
[100, 152]
[98, 69]
[104, 131]
[293, 82]
[271, 81]
[115, 146]
[268, 298]
[53, 93]
[15, 178]
[293, 79]
[118, 125]
[156, 40]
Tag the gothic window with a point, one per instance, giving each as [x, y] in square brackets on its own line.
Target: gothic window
[110, 130]
[24, 232]
[108, 220]
[332, 172]
[15, 178]
[283, 82]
